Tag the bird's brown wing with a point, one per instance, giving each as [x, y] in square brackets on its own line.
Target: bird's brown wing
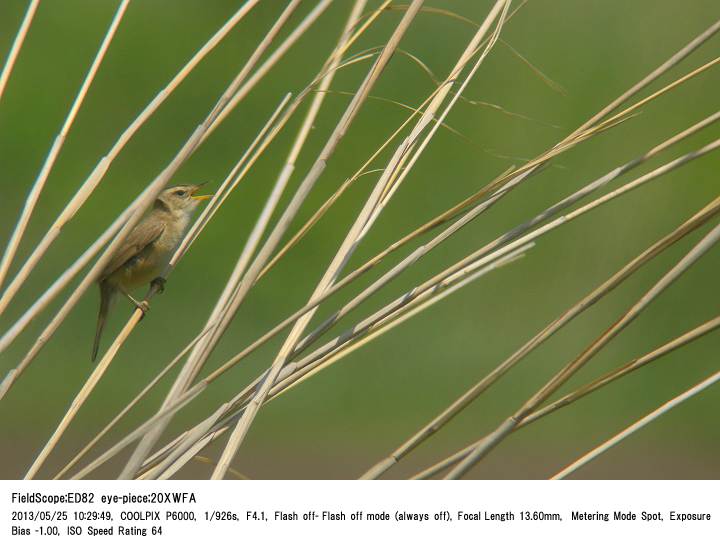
[142, 236]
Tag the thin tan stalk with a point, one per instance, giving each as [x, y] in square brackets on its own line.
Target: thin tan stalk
[445, 463]
[578, 135]
[482, 253]
[66, 277]
[362, 224]
[305, 187]
[315, 171]
[272, 60]
[138, 314]
[87, 388]
[200, 386]
[52, 156]
[95, 177]
[148, 424]
[386, 319]
[511, 423]
[688, 337]
[284, 173]
[166, 370]
[476, 390]
[690, 225]
[659, 412]
[150, 194]
[632, 366]
[17, 44]
[201, 351]
[340, 191]
[63, 280]
[295, 373]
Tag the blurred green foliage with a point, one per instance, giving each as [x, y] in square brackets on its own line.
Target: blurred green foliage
[342, 421]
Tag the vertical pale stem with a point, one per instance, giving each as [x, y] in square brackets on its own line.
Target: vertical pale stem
[96, 176]
[201, 351]
[360, 227]
[52, 156]
[17, 44]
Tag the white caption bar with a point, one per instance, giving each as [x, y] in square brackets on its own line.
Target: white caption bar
[352, 514]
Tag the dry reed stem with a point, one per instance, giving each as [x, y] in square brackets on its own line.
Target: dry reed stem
[617, 439]
[366, 218]
[675, 59]
[138, 314]
[95, 177]
[199, 353]
[310, 179]
[511, 423]
[633, 365]
[305, 187]
[387, 318]
[483, 252]
[186, 397]
[52, 156]
[274, 196]
[63, 280]
[519, 174]
[262, 71]
[320, 212]
[129, 406]
[15, 48]
[148, 196]
[87, 388]
[240, 265]
[384, 320]
[488, 380]
[85, 258]
[200, 386]
[361, 171]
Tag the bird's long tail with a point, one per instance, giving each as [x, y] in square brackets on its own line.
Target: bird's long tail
[107, 296]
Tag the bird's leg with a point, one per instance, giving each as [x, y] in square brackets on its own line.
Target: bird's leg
[144, 306]
[159, 284]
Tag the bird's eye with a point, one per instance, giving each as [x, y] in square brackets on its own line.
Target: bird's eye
[180, 193]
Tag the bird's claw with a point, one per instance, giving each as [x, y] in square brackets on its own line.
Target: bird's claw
[159, 284]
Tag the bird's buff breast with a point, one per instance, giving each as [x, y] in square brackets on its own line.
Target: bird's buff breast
[141, 270]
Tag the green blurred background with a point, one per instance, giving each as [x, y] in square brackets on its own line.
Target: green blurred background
[342, 421]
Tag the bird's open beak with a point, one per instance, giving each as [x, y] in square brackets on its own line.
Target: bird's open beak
[202, 196]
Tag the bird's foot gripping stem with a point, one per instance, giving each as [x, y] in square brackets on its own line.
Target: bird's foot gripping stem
[144, 306]
[159, 284]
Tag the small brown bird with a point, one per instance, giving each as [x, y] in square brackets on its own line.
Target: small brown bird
[147, 250]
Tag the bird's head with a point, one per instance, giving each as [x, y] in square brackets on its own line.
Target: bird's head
[181, 199]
